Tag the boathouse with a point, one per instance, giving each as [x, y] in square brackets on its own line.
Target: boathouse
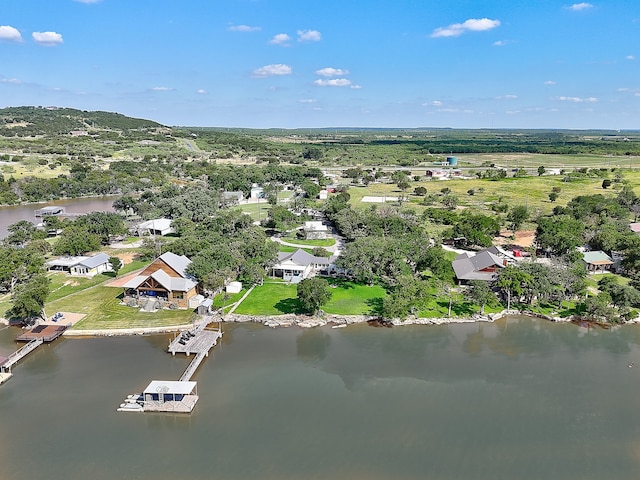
[170, 396]
[165, 283]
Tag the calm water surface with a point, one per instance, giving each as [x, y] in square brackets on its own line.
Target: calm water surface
[12, 214]
[521, 399]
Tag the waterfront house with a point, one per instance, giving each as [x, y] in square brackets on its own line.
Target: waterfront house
[484, 265]
[81, 266]
[163, 284]
[296, 266]
[597, 261]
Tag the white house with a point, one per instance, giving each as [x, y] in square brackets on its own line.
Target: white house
[315, 230]
[81, 266]
[296, 266]
[157, 226]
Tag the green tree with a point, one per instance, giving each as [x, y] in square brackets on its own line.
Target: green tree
[116, 264]
[480, 293]
[606, 183]
[513, 282]
[517, 216]
[313, 293]
[28, 298]
[553, 196]
[541, 170]
[76, 241]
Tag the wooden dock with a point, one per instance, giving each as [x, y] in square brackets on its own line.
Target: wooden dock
[47, 333]
[198, 340]
[189, 342]
[19, 354]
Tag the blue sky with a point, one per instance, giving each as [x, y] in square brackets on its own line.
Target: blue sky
[311, 63]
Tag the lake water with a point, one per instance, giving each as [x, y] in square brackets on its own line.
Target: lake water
[14, 213]
[519, 399]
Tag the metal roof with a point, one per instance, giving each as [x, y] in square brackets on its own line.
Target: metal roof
[96, 260]
[597, 257]
[300, 257]
[171, 387]
[178, 262]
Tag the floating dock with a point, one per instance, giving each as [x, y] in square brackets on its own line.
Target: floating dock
[177, 396]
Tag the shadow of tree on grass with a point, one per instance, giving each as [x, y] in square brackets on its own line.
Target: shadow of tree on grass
[290, 305]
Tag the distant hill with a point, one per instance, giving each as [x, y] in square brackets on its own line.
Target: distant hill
[32, 121]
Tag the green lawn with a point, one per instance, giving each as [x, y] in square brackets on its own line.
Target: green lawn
[347, 298]
[272, 298]
[219, 300]
[101, 305]
[287, 248]
[327, 242]
[5, 304]
[63, 284]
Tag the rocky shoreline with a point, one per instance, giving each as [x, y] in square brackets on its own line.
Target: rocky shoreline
[303, 321]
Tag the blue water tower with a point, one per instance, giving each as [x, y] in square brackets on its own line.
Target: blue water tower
[452, 161]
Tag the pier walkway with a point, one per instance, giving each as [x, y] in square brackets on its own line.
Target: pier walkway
[178, 396]
[19, 354]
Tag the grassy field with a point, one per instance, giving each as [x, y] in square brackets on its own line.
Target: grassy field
[63, 285]
[101, 305]
[532, 191]
[272, 298]
[348, 298]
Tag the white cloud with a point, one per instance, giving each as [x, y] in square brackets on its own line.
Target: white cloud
[8, 32]
[47, 39]
[470, 25]
[162, 89]
[13, 81]
[87, 1]
[500, 43]
[309, 36]
[308, 100]
[637, 94]
[434, 103]
[272, 70]
[630, 57]
[280, 39]
[577, 7]
[244, 28]
[334, 82]
[201, 91]
[507, 97]
[355, 87]
[550, 82]
[578, 99]
[332, 72]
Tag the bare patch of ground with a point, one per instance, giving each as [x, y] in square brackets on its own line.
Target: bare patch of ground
[523, 238]
[67, 318]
